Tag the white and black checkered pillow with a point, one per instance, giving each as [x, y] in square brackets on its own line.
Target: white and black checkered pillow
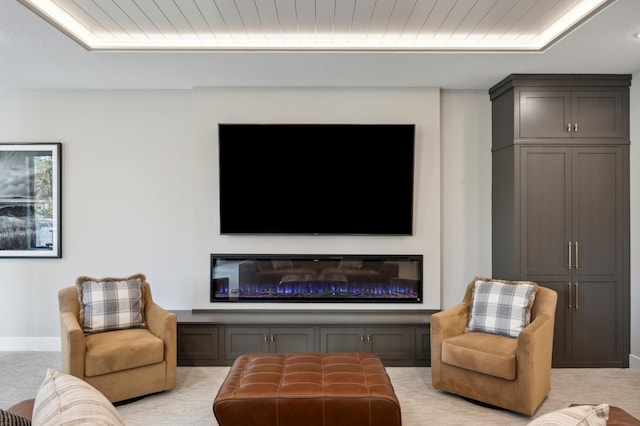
[111, 304]
[501, 308]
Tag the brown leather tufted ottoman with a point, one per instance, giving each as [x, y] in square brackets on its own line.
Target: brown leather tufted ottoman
[310, 389]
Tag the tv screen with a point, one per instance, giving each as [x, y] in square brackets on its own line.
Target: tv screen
[316, 179]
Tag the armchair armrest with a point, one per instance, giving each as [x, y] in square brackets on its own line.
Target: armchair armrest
[72, 345]
[535, 342]
[71, 335]
[163, 324]
[533, 354]
[444, 324]
[450, 322]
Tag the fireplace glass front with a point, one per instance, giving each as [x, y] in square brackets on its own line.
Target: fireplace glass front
[316, 278]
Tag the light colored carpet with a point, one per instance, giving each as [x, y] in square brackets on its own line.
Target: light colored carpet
[190, 404]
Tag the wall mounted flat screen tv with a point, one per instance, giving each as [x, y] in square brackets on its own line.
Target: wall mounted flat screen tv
[331, 179]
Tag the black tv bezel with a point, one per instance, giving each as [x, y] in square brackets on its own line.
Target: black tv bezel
[333, 257]
[404, 227]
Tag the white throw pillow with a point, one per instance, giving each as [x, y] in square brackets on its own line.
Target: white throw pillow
[580, 415]
[65, 399]
[502, 308]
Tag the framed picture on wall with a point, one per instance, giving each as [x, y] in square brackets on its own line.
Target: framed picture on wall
[30, 186]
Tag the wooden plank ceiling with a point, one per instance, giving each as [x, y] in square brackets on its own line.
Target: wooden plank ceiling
[317, 24]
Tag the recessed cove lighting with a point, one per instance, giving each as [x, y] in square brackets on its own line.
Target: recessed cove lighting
[419, 25]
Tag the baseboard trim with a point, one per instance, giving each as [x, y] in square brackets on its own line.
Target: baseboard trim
[45, 344]
[634, 362]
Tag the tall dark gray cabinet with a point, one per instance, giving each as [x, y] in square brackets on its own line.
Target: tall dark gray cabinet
[560, 207]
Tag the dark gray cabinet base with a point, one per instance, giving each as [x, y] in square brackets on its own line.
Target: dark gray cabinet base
[217, 338]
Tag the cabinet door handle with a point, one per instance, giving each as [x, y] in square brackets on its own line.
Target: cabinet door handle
[368, 338]
[575, 127]
[569, 127]
[361, 338]
[273, 338]
[569, 296]
[569, 250]
[577, 294]
[264, 337]
[577, 255]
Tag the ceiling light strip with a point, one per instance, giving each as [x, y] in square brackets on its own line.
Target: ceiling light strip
[301, 40]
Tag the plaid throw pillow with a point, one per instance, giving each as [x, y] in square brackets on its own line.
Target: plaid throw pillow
[500, 307]
[110, 303]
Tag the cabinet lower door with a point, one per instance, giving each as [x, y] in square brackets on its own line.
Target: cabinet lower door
[198, 344]
[389, 343]
[245, 340]
[291, 339]
[342, 339]
[587, 329]
[595, 324]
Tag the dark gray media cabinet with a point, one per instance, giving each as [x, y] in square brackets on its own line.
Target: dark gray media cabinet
[401, 338]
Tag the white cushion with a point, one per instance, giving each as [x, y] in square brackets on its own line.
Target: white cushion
[64, 399]
[501, 307]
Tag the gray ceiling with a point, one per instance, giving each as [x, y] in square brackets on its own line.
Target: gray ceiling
[35, 55]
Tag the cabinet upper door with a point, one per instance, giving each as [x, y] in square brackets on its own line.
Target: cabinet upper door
[597, 114]
[564, 114]
[545, 114]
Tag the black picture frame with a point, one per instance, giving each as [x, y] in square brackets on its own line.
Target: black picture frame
[30, 200]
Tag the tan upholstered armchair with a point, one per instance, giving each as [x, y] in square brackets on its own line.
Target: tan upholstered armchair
[120, 363]
[509, 372]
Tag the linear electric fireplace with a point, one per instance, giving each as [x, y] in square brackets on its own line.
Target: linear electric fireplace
[316, 278]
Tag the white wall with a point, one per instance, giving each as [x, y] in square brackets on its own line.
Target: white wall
[127, 200]
[466, 191]
[140, 195]
[344, 105]
[139, 191]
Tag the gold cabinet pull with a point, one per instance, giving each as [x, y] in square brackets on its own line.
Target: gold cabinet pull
[368, 338]
[577, 294]
[361, 338]
[569, 250]
[575, 127]
[569, 295]
[264, 337]
[577, 255]
[273, 338]
[569, 127]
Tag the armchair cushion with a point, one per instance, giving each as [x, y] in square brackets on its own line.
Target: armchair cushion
[110, 303]
[121, 350]
[481, 352]
[501, 308]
